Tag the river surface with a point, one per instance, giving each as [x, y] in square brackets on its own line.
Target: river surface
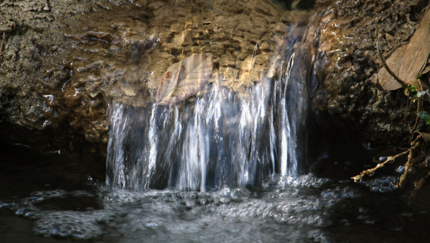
[49, 198]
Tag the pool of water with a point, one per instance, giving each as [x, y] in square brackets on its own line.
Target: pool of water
[46, 197]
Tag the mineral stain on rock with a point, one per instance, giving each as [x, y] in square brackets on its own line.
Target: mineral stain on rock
[185, 78]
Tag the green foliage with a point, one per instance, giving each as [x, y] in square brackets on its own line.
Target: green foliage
[420, 75]
[413, 90]
[426, 116]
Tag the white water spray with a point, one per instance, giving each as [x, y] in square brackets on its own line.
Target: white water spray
[221, 139]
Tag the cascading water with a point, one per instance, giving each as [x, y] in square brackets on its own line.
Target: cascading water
[208, 151]
[223, 138]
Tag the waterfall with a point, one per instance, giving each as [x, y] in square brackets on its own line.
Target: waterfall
[222, 138]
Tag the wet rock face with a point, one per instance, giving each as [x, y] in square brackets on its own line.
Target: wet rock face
[37, 103]
[63, 62]
[349, 89]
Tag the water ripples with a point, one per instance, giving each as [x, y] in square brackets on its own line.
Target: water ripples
[291, 204]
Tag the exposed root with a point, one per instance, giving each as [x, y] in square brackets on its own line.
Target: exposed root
[370, 172]
[403, 83]
[419, 106]
[417, 118]
[413, 86]
[424, 163]
[417, 159]
[409, 163]
[419, 184]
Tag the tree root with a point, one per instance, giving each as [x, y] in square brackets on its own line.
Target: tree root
[410, 151]
[419, 106]
[403, 83]
[409, 163]
[419, 184]
[414, 86]
[370, 172]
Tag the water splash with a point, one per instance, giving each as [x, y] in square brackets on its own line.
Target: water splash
[223, 138]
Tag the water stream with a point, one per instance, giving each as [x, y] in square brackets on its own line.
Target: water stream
[224, 166]
[223, 138]
[46, 198]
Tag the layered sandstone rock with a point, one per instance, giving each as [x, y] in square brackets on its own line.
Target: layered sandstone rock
[63, 62]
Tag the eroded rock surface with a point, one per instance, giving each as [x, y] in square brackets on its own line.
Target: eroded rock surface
[62, 62]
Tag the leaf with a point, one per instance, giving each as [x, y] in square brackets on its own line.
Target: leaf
[424, 115]
[387, 81]
[411, 88]
[409, 60]
[185, 78]
[425, 136]
[417, 51]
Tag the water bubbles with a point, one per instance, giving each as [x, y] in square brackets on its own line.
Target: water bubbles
[334, 195]
[345, 222]
[189, 204]
[202, 201]
[43, 195]
[234, 230]
[369, 222]
[75, 224]
[382, 185]
[362, 210]
[224, 200]
[294, 209]
[400, 169]
[407, 214]
[151, 225]
[318, 236]
[304, 181]
[81, 193]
